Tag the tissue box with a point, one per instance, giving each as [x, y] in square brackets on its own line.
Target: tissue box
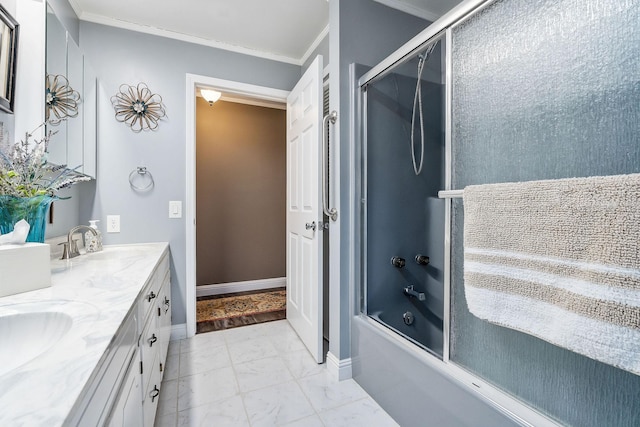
[24, 268]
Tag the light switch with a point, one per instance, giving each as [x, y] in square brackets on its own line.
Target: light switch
[175, 209]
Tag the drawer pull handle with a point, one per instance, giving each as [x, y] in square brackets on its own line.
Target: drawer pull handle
[154, 393]
[153, 339]
[151, 296]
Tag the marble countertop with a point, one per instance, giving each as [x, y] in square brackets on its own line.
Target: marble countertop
[96, 291]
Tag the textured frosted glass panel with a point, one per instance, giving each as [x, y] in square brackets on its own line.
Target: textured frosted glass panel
[543, 90]
[547, 89]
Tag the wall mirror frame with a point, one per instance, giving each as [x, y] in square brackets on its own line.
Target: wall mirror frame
[9, 30]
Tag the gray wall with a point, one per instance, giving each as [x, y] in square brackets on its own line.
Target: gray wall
[364, 32]
[122, 56]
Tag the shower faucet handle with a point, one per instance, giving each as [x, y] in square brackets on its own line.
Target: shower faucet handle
[398, 262]
[422, 259]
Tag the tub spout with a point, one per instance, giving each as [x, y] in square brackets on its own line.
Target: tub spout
[411, 292]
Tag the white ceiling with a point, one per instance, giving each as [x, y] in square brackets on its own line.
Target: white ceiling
[283, 30]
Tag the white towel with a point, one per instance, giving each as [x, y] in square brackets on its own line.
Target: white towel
[560, 260]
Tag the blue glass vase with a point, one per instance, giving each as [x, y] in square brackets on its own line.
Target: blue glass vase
[31, 209]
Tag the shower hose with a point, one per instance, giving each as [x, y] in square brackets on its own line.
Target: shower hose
[417, 99]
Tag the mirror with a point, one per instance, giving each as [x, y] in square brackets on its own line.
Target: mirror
[8, 55]
[70, 101]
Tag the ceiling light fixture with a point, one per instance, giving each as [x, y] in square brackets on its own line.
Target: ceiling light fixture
[210, 95]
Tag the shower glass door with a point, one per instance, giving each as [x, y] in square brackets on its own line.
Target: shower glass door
[543, 90]
[403, 219]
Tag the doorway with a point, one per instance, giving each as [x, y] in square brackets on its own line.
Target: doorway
[240, 91]
[193, 82]
[240, 200]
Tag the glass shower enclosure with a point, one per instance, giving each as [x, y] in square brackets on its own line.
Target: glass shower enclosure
[495, 91]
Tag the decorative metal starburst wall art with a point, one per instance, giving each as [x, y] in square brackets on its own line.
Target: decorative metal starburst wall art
[60, 99]
[138, 107]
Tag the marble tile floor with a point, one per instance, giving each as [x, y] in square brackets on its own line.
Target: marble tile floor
[258, 375]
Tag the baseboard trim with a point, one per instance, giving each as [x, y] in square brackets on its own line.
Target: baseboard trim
[248, 285]
[178, 332]
[339, 368]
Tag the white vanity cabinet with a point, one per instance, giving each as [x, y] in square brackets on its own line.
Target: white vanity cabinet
[102, 392]
[154, 338]
[139, 392]
[106, 368]
[164, 319]
[126, 412]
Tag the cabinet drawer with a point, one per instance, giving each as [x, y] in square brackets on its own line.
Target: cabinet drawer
[149, 347]
[126, 411]
[152, 394]
[151, 293]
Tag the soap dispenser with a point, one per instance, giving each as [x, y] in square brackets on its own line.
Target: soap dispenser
[93, 242]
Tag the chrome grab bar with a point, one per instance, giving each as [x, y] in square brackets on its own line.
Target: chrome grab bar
[331, 213]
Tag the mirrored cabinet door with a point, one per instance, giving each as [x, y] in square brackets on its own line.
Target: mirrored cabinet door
[90, 105]
[75, 75]
[73, 142]
[56, 65]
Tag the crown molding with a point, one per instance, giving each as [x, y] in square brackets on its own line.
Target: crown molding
[410, 9]
[103, 20]
[76, 8]
[315, 44]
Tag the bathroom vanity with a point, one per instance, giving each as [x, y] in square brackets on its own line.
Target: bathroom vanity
[92, 348]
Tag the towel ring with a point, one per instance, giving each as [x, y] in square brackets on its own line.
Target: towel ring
[141, 170]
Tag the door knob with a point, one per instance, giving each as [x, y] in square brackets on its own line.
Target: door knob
[310, 226]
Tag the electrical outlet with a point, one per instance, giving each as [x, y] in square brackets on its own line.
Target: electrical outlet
[175, 209]
[113, 223]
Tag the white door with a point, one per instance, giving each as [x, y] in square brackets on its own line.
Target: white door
[304, 209]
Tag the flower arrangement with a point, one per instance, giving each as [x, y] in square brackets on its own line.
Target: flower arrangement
[25, 172]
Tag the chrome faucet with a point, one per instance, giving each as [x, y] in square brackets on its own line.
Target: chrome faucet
[70, 249]
[409, 291]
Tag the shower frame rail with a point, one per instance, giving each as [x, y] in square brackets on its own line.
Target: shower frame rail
[427, 36]
[450, 194]
[442, 28]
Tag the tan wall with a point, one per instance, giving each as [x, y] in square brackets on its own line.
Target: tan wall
[241, 192]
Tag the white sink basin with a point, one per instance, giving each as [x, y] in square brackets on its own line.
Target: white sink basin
[33, 329]
[25, 336]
